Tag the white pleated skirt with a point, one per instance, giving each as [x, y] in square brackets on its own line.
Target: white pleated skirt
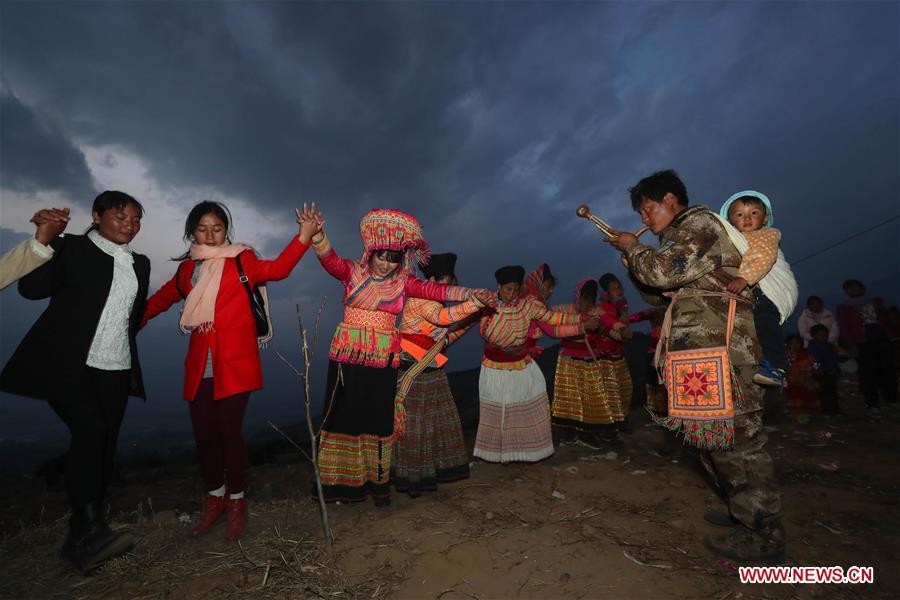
[514, 423]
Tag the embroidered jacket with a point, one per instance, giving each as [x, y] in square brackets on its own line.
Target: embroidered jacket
[612, 312]
[367, 335]
[506, 331]
[533, 287]
[423, 322]
[577, 346]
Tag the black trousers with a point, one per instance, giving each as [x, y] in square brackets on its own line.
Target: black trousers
[877, 371]
[769, 332]
[828, 393]
[93, 415]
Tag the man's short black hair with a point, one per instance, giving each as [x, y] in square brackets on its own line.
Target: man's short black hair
[656, 186]
[852, 282]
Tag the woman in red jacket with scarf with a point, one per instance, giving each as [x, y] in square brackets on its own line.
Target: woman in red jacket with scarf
[222, 365]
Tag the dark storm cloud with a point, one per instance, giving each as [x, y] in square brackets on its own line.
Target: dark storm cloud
[36, 154]
[506, 106]
[490, 121]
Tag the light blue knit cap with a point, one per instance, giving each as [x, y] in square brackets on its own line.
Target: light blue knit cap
[723, 212]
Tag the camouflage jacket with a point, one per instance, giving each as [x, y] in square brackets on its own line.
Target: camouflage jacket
[695, 253]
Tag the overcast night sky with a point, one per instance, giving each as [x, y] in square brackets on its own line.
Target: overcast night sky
[489, 121]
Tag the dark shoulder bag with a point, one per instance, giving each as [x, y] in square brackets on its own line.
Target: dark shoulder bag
[257, 302]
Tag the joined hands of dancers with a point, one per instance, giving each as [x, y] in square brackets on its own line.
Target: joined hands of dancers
[312, 220]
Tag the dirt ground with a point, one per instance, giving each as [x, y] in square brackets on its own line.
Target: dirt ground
[621, 522]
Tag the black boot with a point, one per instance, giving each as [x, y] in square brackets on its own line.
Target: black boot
[91, 542]
[743, 544]
[720, 517]
[67, 551]
[565, 436]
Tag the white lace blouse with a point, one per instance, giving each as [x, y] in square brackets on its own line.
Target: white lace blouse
[110, 350]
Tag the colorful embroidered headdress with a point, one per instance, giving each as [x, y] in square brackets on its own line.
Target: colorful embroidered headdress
[394, 230]
[534, 283]
[580, 286]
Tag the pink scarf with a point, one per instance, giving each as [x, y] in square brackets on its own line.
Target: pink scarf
[200, 305]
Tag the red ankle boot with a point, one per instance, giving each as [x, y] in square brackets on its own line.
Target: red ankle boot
[213, 507]
[237, 519]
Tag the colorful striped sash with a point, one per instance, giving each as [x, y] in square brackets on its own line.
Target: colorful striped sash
[406, 381]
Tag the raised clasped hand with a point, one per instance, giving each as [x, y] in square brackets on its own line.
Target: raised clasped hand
[51, 222]
[486, 298]
[311, 222]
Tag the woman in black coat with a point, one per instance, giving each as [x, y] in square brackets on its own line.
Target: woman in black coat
[98, 290]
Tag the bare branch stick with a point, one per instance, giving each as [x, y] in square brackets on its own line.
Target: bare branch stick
[290, 440]
[313, 456]
[314, 439]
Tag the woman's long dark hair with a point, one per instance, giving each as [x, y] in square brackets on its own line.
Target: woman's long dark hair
[198, 212]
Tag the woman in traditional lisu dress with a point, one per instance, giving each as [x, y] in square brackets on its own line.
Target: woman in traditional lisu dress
[581, 409]
[432, 449]
[614, 375]
[358, 432]
[539, 285]
[514, 422]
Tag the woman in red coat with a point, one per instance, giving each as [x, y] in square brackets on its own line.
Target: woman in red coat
[222, 365]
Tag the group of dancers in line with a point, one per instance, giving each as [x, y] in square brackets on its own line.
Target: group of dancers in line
[390, 417]
[389, 412]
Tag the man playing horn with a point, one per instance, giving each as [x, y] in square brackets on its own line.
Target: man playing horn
[694, 264]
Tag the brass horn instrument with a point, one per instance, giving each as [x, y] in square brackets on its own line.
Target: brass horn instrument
[585, 213]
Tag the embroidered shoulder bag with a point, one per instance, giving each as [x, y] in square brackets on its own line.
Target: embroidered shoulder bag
[700, 384]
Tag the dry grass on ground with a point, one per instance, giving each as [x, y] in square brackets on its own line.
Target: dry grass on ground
[620, 522]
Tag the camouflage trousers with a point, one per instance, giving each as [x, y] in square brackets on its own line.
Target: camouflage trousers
[745, 474]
